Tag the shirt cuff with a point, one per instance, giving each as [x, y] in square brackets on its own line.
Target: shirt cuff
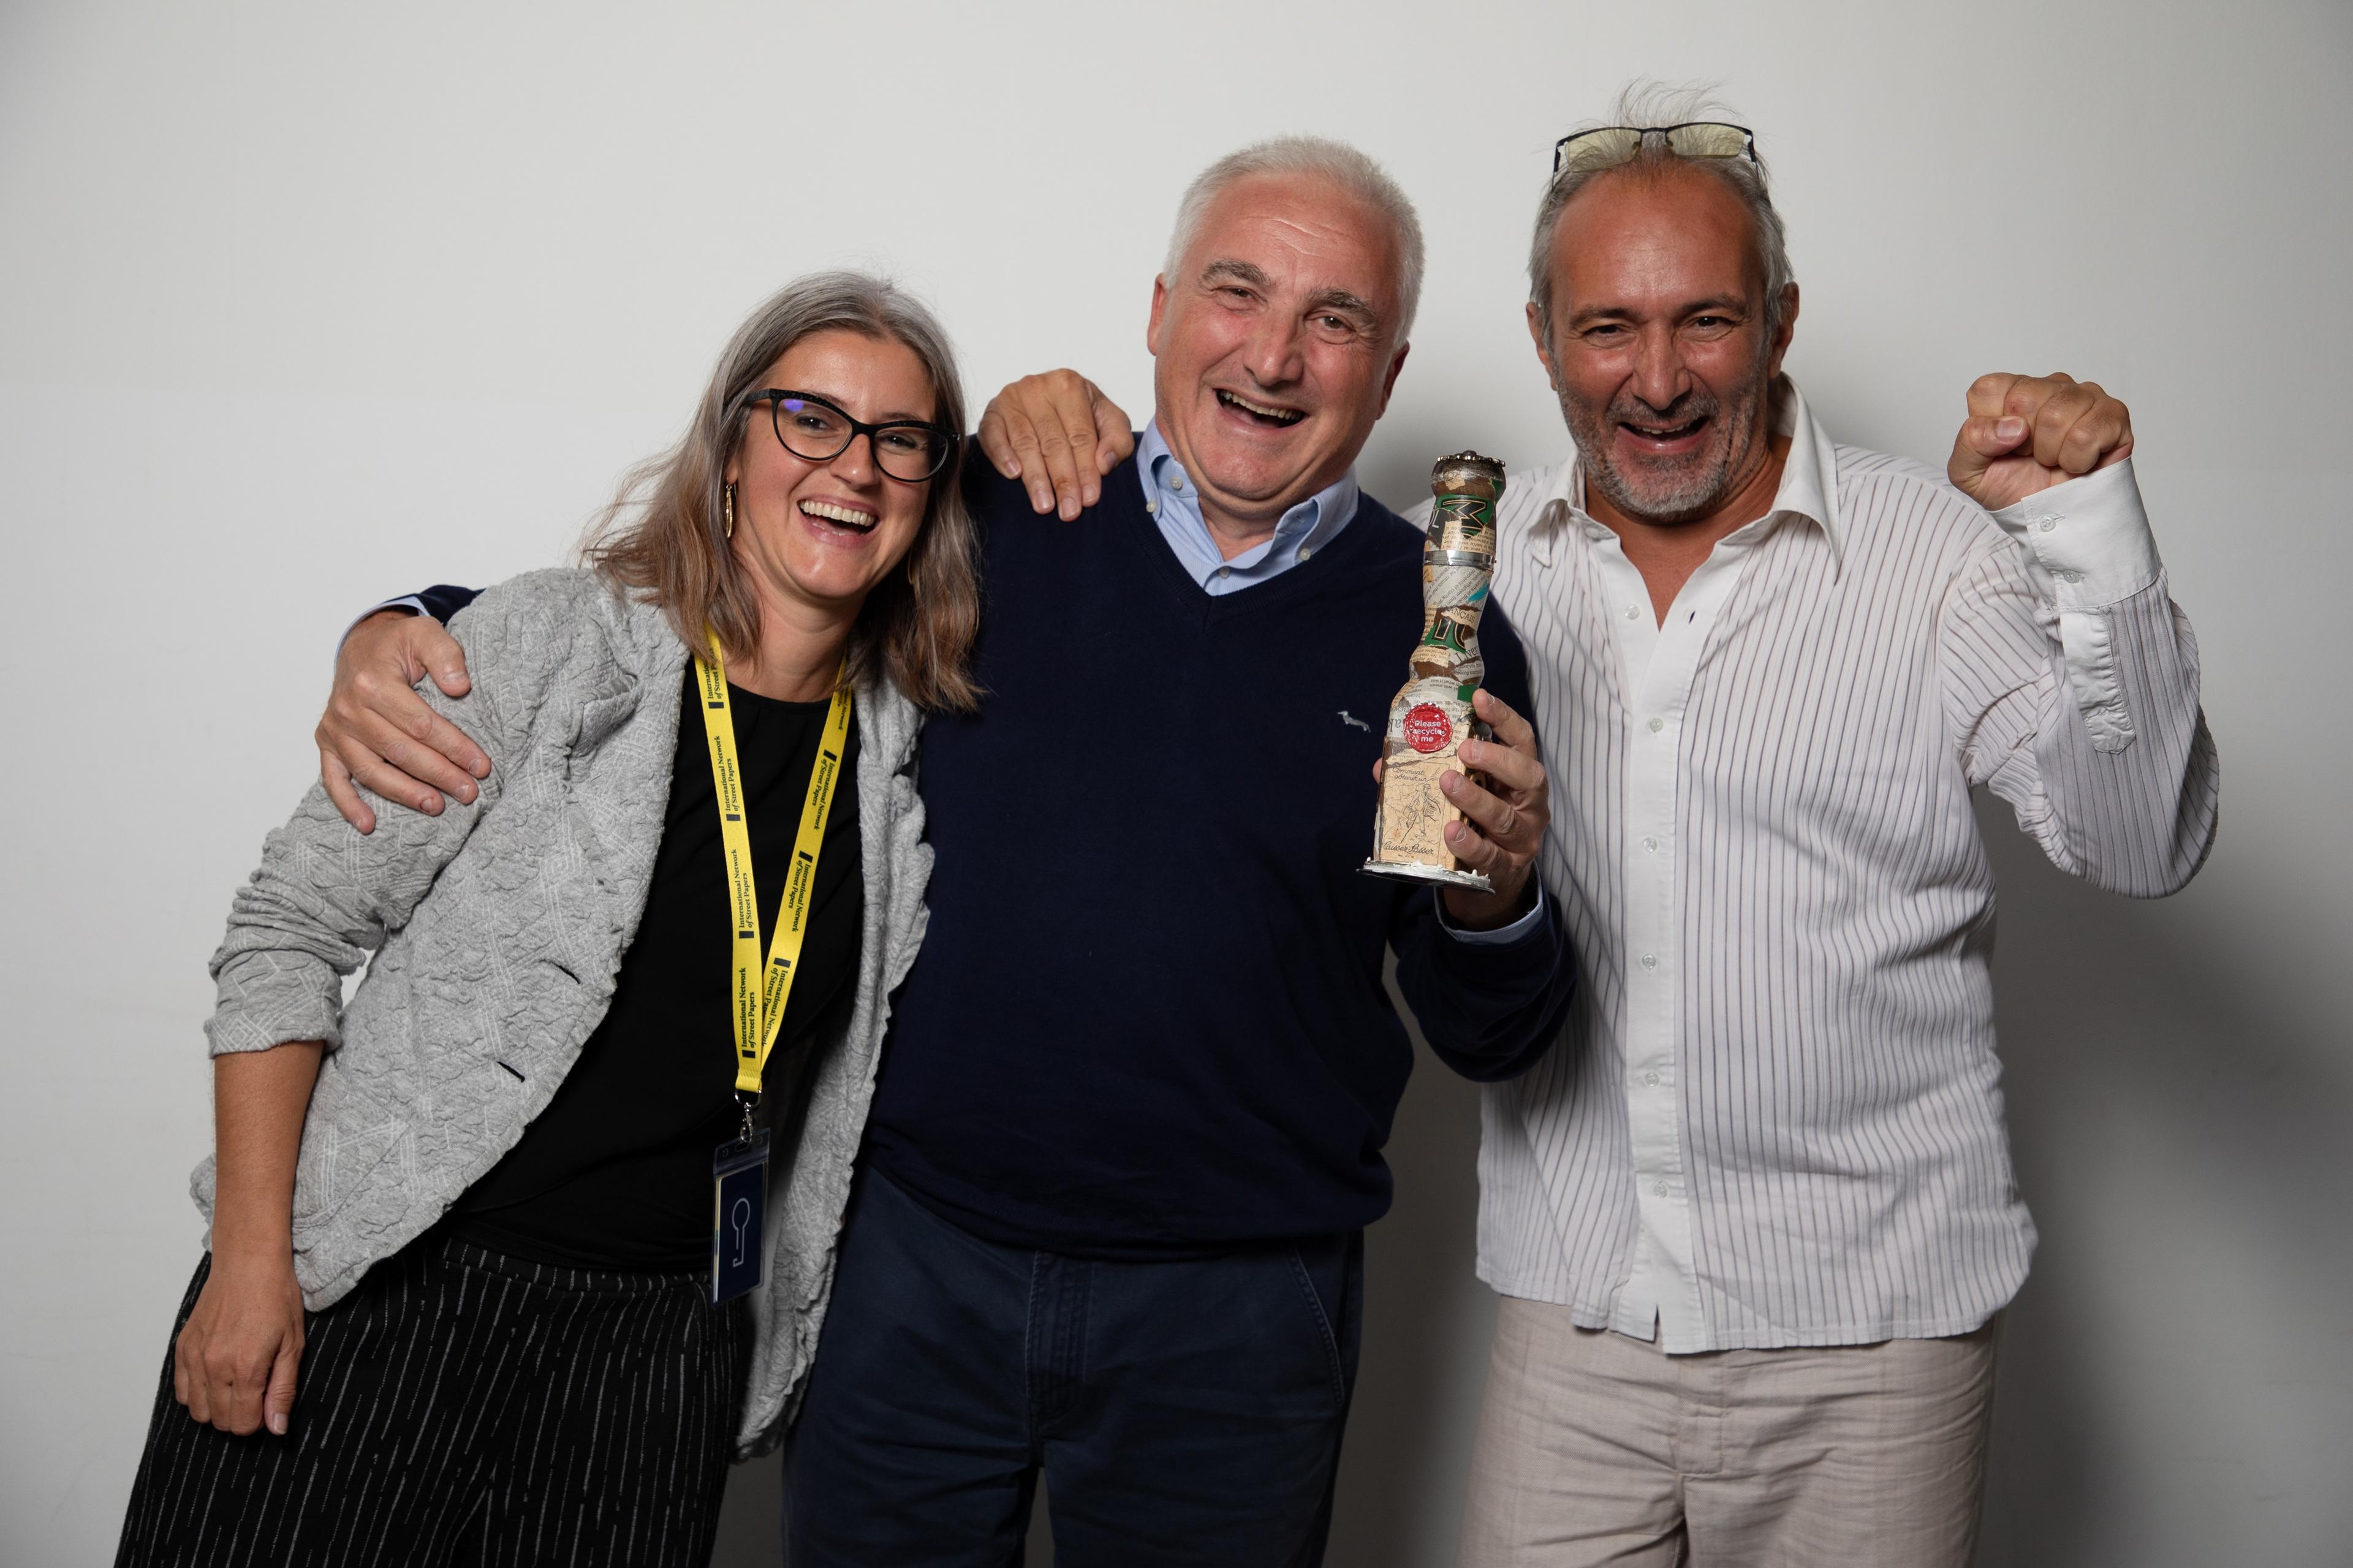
[408, 601]
[1502, 934]
[2087, 541]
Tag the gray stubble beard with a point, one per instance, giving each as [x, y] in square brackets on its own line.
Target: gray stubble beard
[1696, 485]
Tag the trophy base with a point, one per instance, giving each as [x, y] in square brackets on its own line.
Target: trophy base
[1409, 871]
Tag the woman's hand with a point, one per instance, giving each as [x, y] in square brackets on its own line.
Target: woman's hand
[234, 1362]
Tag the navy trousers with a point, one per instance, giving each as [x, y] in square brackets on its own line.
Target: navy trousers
[1182, 1412]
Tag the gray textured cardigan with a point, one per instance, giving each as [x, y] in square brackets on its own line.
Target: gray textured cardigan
[498, 930]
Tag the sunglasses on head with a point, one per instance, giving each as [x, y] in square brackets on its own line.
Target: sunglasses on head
[1607, 146]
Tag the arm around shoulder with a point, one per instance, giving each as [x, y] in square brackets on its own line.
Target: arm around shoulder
[378, 732]
[326, 895]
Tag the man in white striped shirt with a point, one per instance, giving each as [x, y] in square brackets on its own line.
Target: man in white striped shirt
[1752, 1217]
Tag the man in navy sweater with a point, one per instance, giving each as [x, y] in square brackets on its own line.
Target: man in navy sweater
[1128, 1128]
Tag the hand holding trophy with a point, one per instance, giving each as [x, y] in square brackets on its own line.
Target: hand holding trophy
[1431, 716]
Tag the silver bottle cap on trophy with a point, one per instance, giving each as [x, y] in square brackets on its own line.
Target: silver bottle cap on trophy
[1467, 473]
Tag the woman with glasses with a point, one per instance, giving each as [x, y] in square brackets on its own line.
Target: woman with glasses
[540, 1222]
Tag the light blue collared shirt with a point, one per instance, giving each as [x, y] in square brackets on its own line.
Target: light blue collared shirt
[1170, 497]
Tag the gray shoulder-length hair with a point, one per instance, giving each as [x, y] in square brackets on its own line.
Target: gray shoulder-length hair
[663, 537]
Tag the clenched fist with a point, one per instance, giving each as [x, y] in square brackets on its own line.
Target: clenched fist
[2027, 433]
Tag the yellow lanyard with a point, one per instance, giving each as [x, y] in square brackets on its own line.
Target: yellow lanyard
[760, 993]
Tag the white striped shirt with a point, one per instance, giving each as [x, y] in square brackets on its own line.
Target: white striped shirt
[1775, 1116]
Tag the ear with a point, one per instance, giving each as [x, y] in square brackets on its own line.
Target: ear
[1388, 382]
[734, 471]
[1544, 348]
[1787, 331]
[1159, 312]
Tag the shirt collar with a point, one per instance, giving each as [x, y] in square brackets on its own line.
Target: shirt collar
[1321, 515]
[1808, 486]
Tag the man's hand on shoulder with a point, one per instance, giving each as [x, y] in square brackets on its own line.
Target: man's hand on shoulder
[2028, 433]
[1059, 435]
[376, 729]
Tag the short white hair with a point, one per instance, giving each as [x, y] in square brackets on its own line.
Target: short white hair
[1321, 158]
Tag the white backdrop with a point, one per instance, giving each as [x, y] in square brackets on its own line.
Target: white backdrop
[301, 304]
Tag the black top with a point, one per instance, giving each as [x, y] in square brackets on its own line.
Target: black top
[616, 1173]
[1148, 1017]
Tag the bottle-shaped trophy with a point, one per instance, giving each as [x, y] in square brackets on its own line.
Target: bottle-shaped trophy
[1432, 717]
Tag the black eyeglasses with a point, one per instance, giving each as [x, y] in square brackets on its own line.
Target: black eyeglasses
[1607, 146]
[819, 431]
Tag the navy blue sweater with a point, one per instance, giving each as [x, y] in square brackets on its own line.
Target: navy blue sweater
[1148, 1017]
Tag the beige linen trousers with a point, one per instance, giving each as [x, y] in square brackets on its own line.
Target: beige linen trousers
[1595, 1448]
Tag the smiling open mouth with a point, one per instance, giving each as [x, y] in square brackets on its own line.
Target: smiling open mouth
[839, 515]
[1662, 432]
[1264, 412]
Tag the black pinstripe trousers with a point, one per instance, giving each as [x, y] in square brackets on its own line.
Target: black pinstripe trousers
[461, 1407]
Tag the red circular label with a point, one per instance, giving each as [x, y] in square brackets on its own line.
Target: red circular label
[1427, 727]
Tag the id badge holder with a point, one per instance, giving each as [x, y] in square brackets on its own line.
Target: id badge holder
[738, 1202]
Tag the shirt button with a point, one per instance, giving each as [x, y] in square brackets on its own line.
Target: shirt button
[2049, 523]
[1225, 571]
[1176, 481]
[1658, 1189]
[1305, 553]
[1651, 845]
[2070, 576]
[1651, 1078]
[1633, 612]
[1657, 725]
[1152, 506]
[1650, 961]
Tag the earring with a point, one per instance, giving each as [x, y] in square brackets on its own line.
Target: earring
[727, 509]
